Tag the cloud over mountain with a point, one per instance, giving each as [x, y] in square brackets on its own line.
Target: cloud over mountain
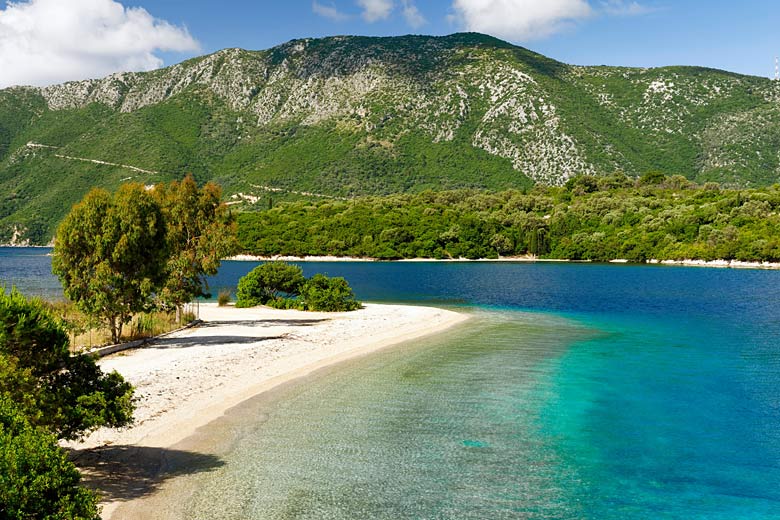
[51, 41]
[519, 20]
[374, 10]
[328, 11]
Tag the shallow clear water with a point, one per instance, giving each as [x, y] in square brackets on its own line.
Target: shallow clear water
[441, 430]
[578, 391]
[517, 415]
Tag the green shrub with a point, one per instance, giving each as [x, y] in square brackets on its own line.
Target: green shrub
[67, 394]
[286, 303]
[267, 282]
[36, 479]
[321, 293]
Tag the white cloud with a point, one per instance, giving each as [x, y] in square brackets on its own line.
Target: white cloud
[329, 11]
[624, 8]
[51, 41]
[414, 18]
[375, 10]
[519, 20]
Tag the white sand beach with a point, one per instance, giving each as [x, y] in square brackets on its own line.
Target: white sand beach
[190, 378]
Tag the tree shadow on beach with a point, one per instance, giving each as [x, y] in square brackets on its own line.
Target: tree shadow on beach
[197, 341]
[306, 322]
[123, 473]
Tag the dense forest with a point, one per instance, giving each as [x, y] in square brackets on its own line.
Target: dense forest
[590, 218]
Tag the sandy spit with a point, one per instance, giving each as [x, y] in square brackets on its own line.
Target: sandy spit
[192, 377]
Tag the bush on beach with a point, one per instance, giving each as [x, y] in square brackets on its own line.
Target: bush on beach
[321, 293]
[48, 393]
[223, 297]
[282, 286]
[36, 478]
[67, 394]
[269, 282]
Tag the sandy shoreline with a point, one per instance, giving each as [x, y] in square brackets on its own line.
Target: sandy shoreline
[329, 258]
[729, 264]
[192, 377]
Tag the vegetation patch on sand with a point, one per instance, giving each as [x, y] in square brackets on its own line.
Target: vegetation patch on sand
[283, 286]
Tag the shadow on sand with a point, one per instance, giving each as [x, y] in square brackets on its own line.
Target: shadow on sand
[123, 473]
[199, 341]
[304, 322]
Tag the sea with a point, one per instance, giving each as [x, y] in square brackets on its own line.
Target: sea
[576, 391]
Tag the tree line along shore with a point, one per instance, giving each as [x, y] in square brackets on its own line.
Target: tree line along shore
[655, 217]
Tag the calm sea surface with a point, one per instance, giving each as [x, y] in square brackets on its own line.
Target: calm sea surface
[578, 391]
[29, 270]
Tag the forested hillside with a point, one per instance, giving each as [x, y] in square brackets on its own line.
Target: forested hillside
[590, 218]
[344, 117]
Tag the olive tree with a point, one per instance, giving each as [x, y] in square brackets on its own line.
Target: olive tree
[200, 232]
[110, 254]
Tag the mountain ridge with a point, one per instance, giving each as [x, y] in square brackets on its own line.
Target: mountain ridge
[349, 115]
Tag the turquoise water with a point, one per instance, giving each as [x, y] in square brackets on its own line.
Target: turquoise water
[578, 391]
[518, 415]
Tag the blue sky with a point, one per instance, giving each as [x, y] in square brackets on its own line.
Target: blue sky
[740, 36]
[45, 41]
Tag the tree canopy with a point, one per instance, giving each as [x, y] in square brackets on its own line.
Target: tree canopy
[117, 255]
[282, 285]
[267, 282]
[200, 231]
[110, 254]
[48, 393]
[323, 293]
[36, 478]
[591, 218]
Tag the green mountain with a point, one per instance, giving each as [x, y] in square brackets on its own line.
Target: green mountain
[347, 116]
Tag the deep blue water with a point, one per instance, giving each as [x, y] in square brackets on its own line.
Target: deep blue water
[579, 391]
[710, 295]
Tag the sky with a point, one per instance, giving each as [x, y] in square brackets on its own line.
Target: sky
[50, 41]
